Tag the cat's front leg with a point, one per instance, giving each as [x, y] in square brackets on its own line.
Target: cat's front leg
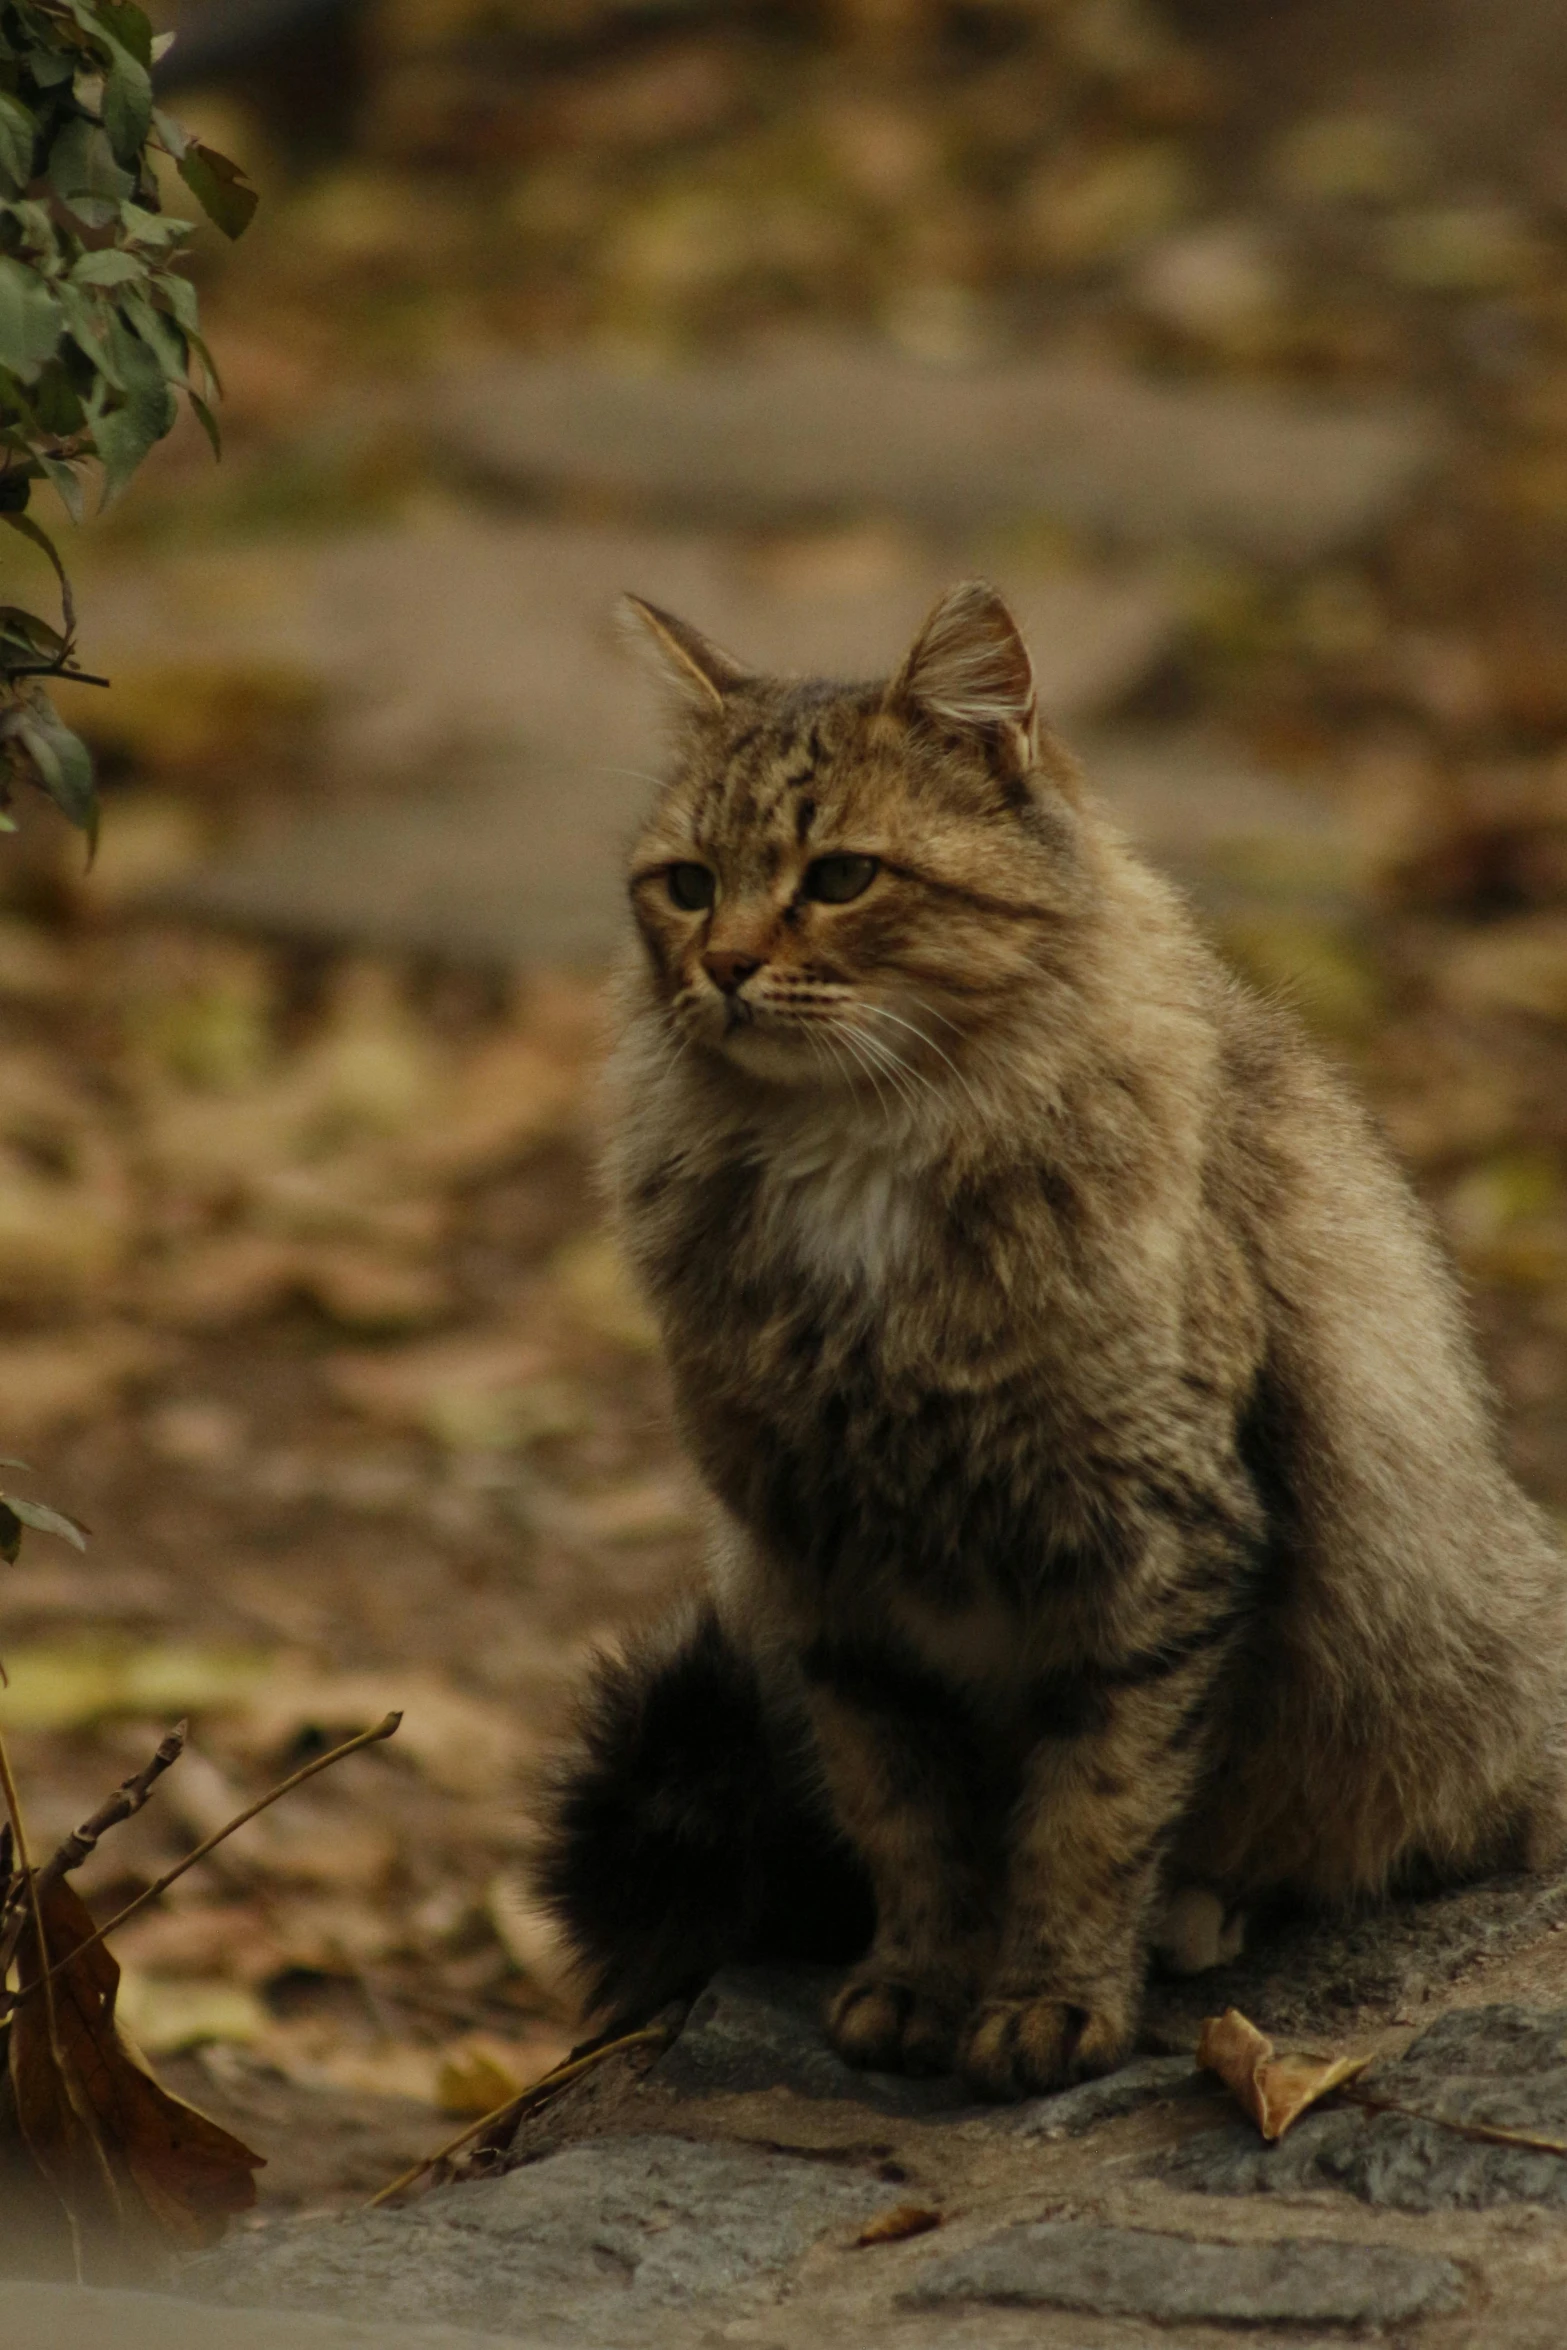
[910, 1783]
[1103, 1798]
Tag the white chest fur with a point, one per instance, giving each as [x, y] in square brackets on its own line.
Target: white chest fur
[844, 1198]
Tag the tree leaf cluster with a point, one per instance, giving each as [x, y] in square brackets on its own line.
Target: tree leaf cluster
[100, 332]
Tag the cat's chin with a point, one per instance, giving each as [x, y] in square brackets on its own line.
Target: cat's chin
[778, 1058]
[781, 1061]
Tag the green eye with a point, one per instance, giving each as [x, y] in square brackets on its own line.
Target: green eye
[837, 879]
[692, 887]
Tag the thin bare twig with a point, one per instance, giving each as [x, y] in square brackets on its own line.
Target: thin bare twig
[123, 1804]
[323, 1762]
[1488, 2133]
[559, 2076]
[127, 1798]
[18, 1826]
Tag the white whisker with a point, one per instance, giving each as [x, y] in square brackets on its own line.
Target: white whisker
[900, 1076]
[929, 1043]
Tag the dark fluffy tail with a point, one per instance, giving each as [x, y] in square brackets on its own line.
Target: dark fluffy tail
[683, 1830]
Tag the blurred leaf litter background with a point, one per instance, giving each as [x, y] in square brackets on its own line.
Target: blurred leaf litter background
[1231, 342]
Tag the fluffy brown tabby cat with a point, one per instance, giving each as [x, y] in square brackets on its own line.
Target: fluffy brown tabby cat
[1109, 1528]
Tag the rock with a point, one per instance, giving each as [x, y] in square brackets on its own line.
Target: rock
[824, 429]
[49, 2317]
[481, 661]
[507, 862]
[761, 2028]
[1502, 2068]
[1321, 1974]
[1148, 2081]
[1131, 2272]
[596, 2245]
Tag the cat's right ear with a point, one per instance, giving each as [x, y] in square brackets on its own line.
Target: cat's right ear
[697, 669]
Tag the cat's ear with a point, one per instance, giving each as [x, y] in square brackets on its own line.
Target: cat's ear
[698, 670]
[969, 667]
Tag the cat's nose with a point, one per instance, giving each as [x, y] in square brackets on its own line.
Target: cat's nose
[730, 971]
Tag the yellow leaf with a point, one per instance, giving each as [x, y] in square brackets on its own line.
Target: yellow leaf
[1274, 2090]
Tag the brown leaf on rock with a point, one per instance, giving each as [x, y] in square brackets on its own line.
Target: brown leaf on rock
[1274, 2090]
[114, 2144]
[894, 2226]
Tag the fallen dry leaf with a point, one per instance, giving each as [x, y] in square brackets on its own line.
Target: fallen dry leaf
[165, 2015]
[892, 2227]
[46, 1382]
[480, 2072]
[507, 1096]
[314, 1842]
[113, 2143]
[232, 1939]
[468, 1745]
[1274, 2090]
[475, 1393]
[596, 1286]
[63, 1688]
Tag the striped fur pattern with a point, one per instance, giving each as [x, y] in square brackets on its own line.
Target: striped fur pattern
[1098, 1459]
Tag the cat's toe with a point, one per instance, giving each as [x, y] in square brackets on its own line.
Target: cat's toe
[886, 2025]
[1024, 2047]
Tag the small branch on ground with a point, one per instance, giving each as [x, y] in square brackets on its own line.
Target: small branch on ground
[323, 1762]
[1484, 2133]
[526, 2101]
[126, 1800]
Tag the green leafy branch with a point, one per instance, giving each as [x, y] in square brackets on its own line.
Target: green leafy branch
[99, 330]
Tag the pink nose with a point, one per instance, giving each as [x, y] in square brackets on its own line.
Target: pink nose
[730, 971]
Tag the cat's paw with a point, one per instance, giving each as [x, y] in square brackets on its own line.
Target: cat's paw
[1023, 2047]
[887, 2024]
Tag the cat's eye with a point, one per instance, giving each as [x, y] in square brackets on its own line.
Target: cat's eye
[835, 880]
[692, 887]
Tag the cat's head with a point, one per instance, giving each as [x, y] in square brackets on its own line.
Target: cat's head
[854, 878]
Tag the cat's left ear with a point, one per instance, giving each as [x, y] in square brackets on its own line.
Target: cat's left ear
[700, 671]
[969, 667]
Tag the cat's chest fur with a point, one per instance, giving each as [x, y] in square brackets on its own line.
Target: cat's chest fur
[844, 1207]
[861, 1381]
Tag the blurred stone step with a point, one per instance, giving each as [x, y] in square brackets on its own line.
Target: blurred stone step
[455, 629]
[505, 740]
[831, 429]
[518, 859]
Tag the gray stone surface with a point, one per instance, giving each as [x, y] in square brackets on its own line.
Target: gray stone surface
[1149, 2080]
[761, 2028]
[67, 2317]
[588, 2246]
[1317, 1974]
[1501, 2067]
[1133, 2272]
[518, 856]
[834, 428]
[504, 741]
